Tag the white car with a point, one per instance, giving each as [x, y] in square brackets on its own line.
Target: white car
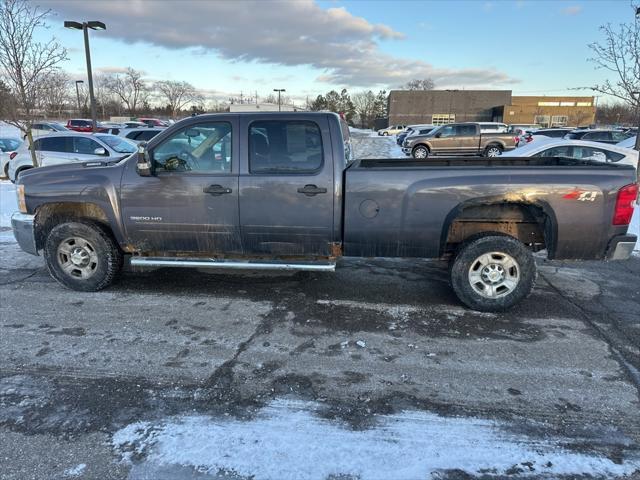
[8, 145]
[628, 143]
[39, 129]
[582, 150]
[59, 148]
[391, 130]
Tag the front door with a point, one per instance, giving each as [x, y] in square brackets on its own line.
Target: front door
[286, 186]
[190, 205]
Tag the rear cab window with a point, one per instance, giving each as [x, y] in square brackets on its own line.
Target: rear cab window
[285, 146]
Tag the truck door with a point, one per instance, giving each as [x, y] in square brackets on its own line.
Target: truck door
[190, 205]
[286, 186]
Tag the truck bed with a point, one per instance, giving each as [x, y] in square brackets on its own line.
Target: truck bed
[405, 208]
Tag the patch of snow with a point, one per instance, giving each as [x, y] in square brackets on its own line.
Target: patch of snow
[288, 440]
[402, 312]
[75, 471]
[8, 202]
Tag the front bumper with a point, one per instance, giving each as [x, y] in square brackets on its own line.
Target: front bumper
[621, 247]
[406, 150]
[24, 231]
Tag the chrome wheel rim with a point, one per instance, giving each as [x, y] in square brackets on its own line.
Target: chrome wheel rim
[494, 275]
[420, 153]
[493, 152]
[77, 258]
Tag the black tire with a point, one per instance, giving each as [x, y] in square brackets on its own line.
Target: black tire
[420, 152]
[19, 171]
[493, 151]
[469, 257]
[105, 261]
[385, 134]
[6, 170]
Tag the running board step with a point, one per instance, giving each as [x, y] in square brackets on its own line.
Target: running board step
[230, 264]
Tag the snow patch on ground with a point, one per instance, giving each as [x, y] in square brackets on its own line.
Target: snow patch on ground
[287, 440]
[402, 312]
[75, 471]
[8, 202]
[375, 146]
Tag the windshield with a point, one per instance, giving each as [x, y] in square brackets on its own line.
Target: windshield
[118, 144]
[9, 144]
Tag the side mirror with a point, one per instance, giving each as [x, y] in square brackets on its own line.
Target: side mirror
[143, 164]
[100, 151]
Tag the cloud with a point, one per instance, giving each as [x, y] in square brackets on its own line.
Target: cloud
[572, 10]
[342, 46]
[112, 69]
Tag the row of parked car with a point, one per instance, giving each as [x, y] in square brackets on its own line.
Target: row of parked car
[492, 139]
[55, 143]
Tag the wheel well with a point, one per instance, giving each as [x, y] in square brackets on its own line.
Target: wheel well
[530, 224]
[52, 214]
[494, 144]
[421, 145]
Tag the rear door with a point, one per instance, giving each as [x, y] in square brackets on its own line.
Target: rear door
[286, 186]
[190, 205]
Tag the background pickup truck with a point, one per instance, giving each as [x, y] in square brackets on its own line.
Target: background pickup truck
[458, 139]
[275, 191]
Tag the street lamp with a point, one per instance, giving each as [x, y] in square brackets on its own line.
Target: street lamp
[279, 90]
[85, 26]
[78, 94]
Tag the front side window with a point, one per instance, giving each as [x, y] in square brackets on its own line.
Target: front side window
[596, 136]
[204, 147]
[564, 151]
[285, 146]
[447, 132]
[85, 146]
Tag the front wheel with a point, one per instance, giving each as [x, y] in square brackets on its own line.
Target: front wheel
[492, 273]
[82, 256]
[493, 151]
[420, 152]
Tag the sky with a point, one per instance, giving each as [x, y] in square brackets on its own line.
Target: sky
[309, 47]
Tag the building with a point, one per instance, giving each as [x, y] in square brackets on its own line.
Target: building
[407, 107]
[440, 107]
[551, 111]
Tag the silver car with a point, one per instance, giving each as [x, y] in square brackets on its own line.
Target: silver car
[69, 147]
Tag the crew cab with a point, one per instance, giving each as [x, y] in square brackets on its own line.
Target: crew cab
[458, 139]
[276, 191]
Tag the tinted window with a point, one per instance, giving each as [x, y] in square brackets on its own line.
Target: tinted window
[56, 144]
[285, 147]
[597, 136]
[85, 146]
[447, 131]
[205, 147]
[465, 130]
[147, 134]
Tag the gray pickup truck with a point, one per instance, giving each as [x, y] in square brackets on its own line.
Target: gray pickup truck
[458, 139]
[275, 191]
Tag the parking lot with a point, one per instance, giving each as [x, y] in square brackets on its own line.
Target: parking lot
[375, 371]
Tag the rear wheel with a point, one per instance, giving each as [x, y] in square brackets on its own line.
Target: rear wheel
[385, 134]
[81, 255]
[420, 152]
[492, 273]
[493, 151]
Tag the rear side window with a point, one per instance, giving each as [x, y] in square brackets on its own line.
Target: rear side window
[601, 155]
[597, 136]
[285, 146]
[56, 144]
[146, 134]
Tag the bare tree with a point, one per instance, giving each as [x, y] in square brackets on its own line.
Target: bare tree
[177, 95]
[578, 117]
[55, 92]
[130, 88]
[619, 53]
[365, 106]
[25, 62]
[417, 84]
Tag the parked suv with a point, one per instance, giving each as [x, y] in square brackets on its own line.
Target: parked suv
[39, 129]
[69, 147]
[391, 130]
[80, 125]
[154, 122]
[602, 136]
[142, 134]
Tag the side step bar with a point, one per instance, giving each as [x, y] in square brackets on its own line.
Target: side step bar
[230, 264]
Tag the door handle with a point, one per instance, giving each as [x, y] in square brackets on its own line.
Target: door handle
[311, 190]
[216, 190]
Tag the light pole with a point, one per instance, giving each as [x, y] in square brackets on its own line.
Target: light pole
[279, 90]
[78, 94]
[637, 147]
[85, 26]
